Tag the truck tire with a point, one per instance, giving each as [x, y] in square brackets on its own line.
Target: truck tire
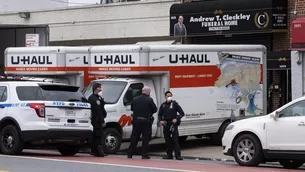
[11, 141]
[112, 140]
[216, 138]
[68, 150]
[247, 150]
[291, 164]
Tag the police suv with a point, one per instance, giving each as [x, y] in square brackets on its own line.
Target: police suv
[35, 114]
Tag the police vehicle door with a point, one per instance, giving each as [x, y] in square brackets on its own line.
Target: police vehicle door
[4, 101]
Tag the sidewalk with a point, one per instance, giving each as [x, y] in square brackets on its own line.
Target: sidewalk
[193, 148]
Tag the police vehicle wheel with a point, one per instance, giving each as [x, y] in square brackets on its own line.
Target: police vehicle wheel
[11, 142]
[113, 140]
[68, 150]
[247, 150]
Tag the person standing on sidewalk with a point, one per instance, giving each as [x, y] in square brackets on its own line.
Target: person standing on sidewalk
[98, 114]
[143, 108]
[170, 120]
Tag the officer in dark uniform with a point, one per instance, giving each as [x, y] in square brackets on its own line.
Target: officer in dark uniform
[143, 108]
[169, 118]
[98, 114]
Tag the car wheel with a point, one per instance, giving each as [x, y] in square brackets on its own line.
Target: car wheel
[113, 140]
[247, 150]
[68, 150]
[11, 142]
[291, 164]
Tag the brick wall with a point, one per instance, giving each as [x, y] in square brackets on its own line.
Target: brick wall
[281, 41]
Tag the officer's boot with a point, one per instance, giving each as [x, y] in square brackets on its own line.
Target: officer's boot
[100, 151]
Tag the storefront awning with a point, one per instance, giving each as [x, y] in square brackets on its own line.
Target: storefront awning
[228, 17]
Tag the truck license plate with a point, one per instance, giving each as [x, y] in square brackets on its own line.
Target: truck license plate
[70, 112]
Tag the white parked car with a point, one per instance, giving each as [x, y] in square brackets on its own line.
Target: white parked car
[277, 137]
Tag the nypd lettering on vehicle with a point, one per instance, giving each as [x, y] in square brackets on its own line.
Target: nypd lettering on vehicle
[15, 105]
[57, 103]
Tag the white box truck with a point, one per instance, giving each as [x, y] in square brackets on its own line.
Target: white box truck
[212, 83]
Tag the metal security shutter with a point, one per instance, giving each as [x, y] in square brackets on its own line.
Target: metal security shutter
[264, 39]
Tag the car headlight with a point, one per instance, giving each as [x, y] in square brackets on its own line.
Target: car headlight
[229, 127]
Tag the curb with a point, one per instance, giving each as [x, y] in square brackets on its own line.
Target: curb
[185, 157]
[188, 157]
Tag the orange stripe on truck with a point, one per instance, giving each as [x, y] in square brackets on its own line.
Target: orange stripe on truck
[125, 120]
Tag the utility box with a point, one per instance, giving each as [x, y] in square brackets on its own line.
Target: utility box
[298, 34]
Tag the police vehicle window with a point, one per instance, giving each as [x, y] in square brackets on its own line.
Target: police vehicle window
[3, 93]
[133, 91]
[61, 93]
[25, 93]
[297, 109]
[112, 90]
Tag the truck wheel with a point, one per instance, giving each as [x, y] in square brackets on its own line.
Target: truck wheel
[216, 138]
[11, 142]
[247, 150]
[182, 139]
[291, 164]
[68, 150]
[113, 140]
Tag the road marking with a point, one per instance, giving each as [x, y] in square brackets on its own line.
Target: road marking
[3, 171]
[98, 163]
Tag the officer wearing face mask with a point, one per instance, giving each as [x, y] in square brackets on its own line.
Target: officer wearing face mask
[98, 114]
[170, 120]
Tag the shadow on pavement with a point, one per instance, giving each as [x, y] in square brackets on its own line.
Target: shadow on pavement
[160, 146]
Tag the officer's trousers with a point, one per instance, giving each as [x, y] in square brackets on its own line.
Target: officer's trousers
[139, 127]
[172, 140]
[97, 139]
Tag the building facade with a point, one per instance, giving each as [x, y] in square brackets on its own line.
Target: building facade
[264, 22]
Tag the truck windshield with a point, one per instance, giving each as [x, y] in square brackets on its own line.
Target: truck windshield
[50, 93]
[112, 90]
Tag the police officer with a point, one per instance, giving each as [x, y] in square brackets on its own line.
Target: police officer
[98, 114]
[171, 120]
[143, 108]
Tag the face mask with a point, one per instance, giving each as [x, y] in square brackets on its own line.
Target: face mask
[168, 99]
[100, 93]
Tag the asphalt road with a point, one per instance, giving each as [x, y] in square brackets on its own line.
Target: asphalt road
[50, 161]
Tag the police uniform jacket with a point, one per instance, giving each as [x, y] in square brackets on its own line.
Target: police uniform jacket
[168, 111]
[98, 112]
[143, 106]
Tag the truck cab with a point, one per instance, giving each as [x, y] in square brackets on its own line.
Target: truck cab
[118, 94]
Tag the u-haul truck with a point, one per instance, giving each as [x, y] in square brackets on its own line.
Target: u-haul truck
[212, 83]
[52, 64]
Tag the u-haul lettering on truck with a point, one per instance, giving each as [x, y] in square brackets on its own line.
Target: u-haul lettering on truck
[114, 59]
[29, 60]
[189, 58]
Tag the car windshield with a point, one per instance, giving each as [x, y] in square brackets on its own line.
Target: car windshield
[112, 90]
[50, 93]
